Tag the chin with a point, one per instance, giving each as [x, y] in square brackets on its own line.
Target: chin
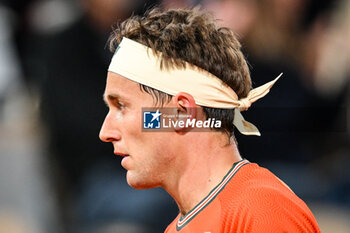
[139, 182]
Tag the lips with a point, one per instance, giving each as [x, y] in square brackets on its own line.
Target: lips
[121, 154]
[125, 158]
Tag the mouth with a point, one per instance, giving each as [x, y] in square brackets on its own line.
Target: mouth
[121, 154]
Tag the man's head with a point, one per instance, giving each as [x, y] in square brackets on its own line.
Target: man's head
[190, 36]
[181, 36]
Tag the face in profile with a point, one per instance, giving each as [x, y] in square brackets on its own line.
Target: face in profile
[145, 155]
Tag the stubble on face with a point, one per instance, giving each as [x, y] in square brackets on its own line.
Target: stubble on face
[152, 167]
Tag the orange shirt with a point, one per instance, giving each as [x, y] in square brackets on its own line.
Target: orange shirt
[248, 199]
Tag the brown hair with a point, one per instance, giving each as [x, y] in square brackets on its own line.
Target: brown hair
[192, 36]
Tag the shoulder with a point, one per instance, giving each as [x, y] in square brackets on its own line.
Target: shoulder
[262, 201]
[252, 180]
[254, 186]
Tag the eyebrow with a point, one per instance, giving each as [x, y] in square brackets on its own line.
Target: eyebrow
[110, 97]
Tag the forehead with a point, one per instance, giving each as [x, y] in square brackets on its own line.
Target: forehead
[116, 82]
[124, 88]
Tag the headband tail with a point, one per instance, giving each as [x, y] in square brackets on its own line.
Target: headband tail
[261, 91]
[244, 126]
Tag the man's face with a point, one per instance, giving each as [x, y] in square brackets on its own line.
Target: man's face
[146, 155]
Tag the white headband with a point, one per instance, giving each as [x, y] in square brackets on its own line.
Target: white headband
[138, 63]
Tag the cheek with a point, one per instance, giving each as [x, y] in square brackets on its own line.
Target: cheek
[144, 147]
[129, 122]
[116, 118]
[132, 134]
[119, 116]
[162, 147]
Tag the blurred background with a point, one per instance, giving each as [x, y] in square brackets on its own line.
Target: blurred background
[55, 174]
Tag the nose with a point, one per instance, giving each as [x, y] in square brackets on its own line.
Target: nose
[108, 132]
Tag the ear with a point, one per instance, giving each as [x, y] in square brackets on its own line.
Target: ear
[186, 107]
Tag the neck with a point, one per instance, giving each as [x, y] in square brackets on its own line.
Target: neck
[203, 166]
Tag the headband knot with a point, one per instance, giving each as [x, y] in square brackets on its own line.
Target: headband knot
[244, 104]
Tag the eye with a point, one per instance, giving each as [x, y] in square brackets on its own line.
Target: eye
[120, 105]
